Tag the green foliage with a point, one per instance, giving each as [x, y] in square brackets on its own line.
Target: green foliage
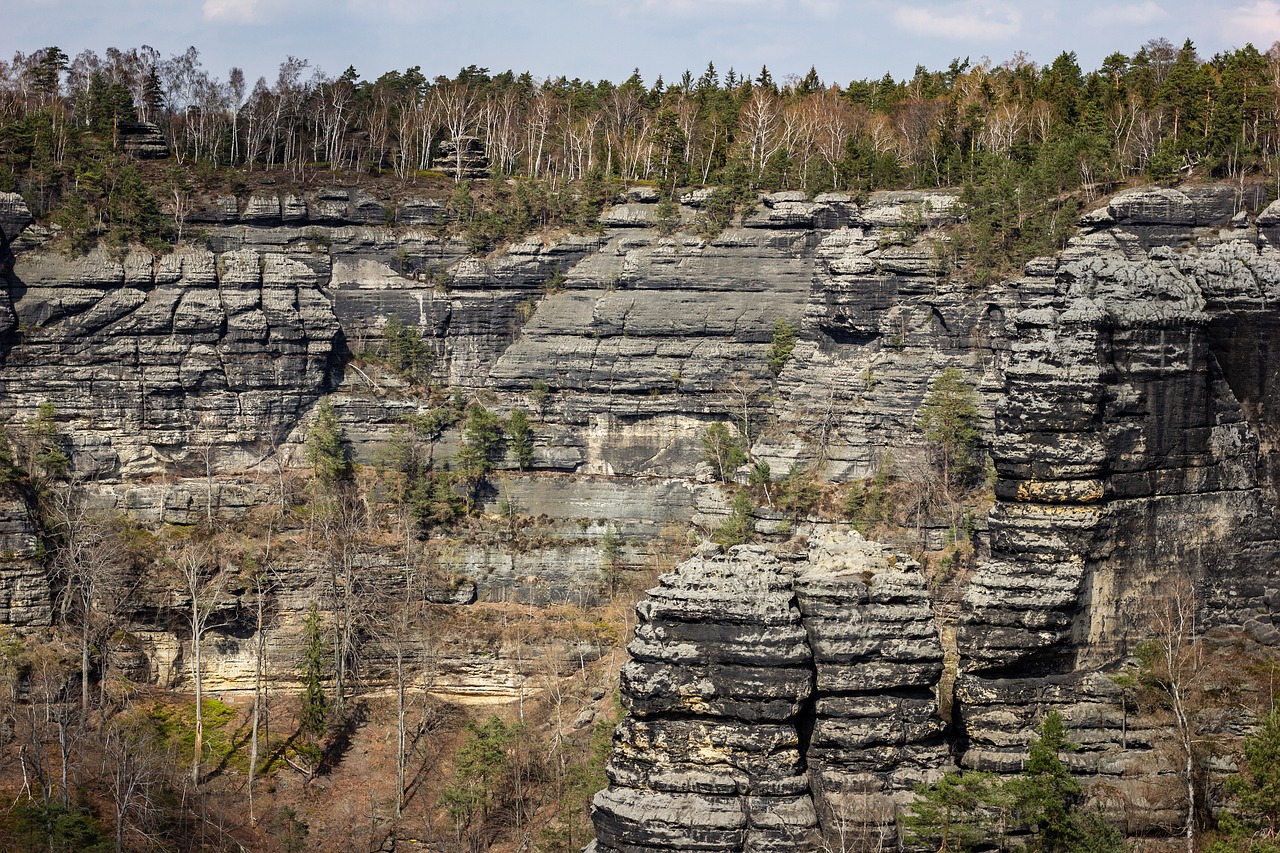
[870, 502]
[610, 549]
[1017, 210]
[45, 444]
[540, 394]
[799, 493]
[734, 194]
[1046, 794]
[435, 500]
[781, 346]
[722, 449]
[738, 528]
[949, 420]
[1252, 825]
[175, 726]
[479, 768]
[594, 194]
[514, 211]
[313, 713]
[461, 204]
[32, 826]
[317, 240]
[482, 437]
[429, 425]
[135, 214]
[9, 470]
[666, 215]
[293, 830]
[482, 443]
[436, 497]
[520, 438]
[406, 353]
[327, 450]
[958, 812]
[73, 218]
[971, 810]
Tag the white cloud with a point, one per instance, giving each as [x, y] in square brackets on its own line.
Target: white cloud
[1134, 14]
[232, 11]
[970, 19]
[1258, 23]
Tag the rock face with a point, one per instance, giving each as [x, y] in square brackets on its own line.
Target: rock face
[1136, 391]
[766, 691]
[710, 757]
[150, 361]
[1126, 385]
[878, 657]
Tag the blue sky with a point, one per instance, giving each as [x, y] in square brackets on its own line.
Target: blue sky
[607, 38]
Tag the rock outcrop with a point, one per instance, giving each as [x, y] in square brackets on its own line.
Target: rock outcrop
[1135, 392]
[1126, 384]
[765, 690]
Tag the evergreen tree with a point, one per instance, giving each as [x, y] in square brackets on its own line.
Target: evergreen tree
[781, 346]
[520, 436]
[1253, 825]
[1046, 795]
[327, 450]
[958, 812]
[314, 711]
[407, 354]
[949, 420]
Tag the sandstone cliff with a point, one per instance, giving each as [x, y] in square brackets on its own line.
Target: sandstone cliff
[1126, 389]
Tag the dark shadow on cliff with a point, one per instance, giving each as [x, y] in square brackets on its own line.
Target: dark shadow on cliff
[15, 288]
[1247, 351]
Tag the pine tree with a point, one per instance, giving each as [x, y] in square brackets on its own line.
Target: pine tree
[315, 707]
[327, 446]
[949, 420]
[1254, 824]
[781, 346]
[1046, 794]
[956, 813]
[520, 436]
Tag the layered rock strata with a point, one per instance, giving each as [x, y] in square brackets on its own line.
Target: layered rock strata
[771, 698]
[1126, 385]
[1131, 434]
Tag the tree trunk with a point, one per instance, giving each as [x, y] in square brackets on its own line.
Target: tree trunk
[199, 744]
[401, 746]
[84, 667]
[260, 649]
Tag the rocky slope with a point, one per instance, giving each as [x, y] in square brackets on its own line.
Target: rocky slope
[1126, 386]
[1130, 445]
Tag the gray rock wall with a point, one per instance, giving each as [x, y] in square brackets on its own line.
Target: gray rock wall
[1126, 386]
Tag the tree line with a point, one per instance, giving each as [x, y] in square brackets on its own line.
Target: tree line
[1160, 110]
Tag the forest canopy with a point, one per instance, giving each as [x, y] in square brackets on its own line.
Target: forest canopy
[1019, 137]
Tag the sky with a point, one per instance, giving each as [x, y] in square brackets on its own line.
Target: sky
[606, 39]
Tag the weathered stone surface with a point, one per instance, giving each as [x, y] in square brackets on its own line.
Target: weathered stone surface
[720, 671]
[14, 216]
[878, 654]
[261, 210]
[199, 349]
[421, 211]
[25, 596]
[725, 642]
[629, 216]
[1126, 384]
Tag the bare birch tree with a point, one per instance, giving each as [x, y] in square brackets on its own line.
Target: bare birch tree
[204, 578]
